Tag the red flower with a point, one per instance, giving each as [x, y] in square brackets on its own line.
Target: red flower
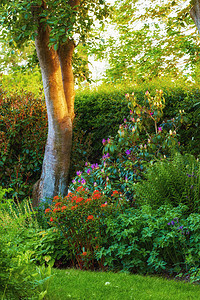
[84, 253]
[58, 204]
[51, 219]
[79, 199]
[69, 195]
[55, 209]
[74, 198]
[97, 247]
[63, 207]
[79, 188]
[56, 198]
[47, 210]
[96, 195]
[114, 193]
[103, 205]
[90, 217]
[88, 200]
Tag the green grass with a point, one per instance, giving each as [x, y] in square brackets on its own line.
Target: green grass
[75, 284]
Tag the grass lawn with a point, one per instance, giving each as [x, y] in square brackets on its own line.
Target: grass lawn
[75, 284]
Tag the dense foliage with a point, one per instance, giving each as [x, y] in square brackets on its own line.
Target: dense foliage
[23, 127]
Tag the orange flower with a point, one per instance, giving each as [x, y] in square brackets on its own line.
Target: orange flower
[51, 219]
[79, 199]
[74, 198]
[90, 217]
[84, 253]
[96, 194]
[47, 210]
[63, 207]
[79, 188]
[58, 204]
[97, 247]
[88, 200]
[55, 209]
[114, 193]
[69, 194]
[103, 205]
[56, 198]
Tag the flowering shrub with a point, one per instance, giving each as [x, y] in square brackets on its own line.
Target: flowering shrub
[141, 139]
[80, 218]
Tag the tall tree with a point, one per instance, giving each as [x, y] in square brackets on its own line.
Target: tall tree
[152, 39]
[57, 26]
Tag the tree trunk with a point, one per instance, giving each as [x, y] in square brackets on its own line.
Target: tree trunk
[58, 85]
[195, 14]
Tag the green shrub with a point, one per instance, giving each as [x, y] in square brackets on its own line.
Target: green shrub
[173, 181]
[23, 133]
[19, 276]
[144, 240]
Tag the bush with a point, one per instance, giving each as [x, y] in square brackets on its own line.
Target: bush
[23, 133]
[175, 181]
[127, 154]
[80, 219]
[153, 241]
[19, 276]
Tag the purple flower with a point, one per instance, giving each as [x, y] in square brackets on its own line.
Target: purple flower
[172, 222]
[188, 175]
[128, 152]
[125, 120]
[131, 112]
[78, 173]
[181, 227]
[83, 181]
[151, 113]
[107, 155]
[191, 186]
[86, 164]
[169, 223]
[88, 171]
[74, 181]
[103, 141]
[159, 129]
[94, 166]
[108, 140]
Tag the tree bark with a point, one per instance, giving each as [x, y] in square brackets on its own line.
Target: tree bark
[195, 14]
[58, 85]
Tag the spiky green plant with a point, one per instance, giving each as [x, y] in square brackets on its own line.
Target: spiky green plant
[172, 181]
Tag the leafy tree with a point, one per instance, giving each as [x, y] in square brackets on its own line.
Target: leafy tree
[152, 39]
[57, 27]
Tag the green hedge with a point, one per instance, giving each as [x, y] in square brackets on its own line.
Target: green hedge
[101, 110]
[23, 127]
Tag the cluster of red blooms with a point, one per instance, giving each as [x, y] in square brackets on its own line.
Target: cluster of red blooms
[59, 207]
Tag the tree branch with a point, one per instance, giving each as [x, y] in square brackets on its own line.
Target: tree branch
[195, 14]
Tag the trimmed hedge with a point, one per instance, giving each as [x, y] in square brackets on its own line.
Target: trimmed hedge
[23, 127]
